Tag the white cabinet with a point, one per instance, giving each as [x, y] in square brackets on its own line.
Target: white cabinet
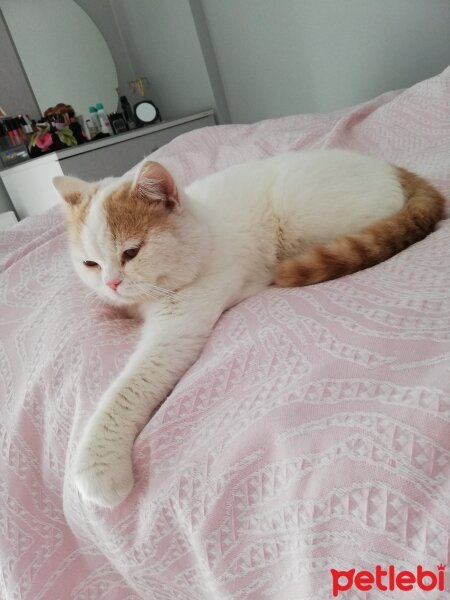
[29, 184]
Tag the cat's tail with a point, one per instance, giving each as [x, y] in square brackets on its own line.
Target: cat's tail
[423, 208]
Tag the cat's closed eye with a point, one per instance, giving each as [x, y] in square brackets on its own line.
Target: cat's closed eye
[90, 263]
[130, 253]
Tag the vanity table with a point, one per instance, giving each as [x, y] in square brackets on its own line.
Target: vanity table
[29, 184]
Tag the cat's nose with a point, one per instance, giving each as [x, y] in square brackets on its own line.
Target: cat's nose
[114, 283]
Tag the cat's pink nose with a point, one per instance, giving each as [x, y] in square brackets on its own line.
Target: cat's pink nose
[114, 283]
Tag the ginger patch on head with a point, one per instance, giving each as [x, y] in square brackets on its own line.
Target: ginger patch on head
[77, 214]
[130, 216]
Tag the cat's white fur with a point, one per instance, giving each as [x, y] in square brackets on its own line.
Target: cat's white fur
[230, 230]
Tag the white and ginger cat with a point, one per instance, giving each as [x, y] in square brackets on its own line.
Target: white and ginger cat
[181, 257]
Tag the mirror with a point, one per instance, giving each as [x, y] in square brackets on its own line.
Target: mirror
[64, 54]
[146, 112]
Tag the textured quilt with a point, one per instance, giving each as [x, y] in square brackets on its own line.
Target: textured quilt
[312, 433]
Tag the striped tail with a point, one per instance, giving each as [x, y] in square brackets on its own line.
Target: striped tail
[423, 208]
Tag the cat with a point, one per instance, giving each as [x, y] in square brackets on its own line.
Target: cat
[181, 257]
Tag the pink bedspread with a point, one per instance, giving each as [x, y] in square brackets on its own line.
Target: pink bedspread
[313, 432]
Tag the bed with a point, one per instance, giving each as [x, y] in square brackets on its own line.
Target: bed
[312, 433]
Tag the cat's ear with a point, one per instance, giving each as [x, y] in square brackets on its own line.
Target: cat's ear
[154, 183]
[71, 189]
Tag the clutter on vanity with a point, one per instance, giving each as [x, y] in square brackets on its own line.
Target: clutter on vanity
[60, 127]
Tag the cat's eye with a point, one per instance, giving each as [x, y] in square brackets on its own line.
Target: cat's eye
[130, 253]
[90, 263]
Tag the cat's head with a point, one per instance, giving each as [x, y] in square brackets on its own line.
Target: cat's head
[128, 236]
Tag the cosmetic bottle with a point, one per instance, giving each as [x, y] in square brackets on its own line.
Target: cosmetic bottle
[26, 127]
[28, 122]
[13, 134]
[92, 129]
[94, 118]
[4, 139]
[84, 130]
[27, 130]
[127, 112]
[105, 125]
[21, 129]
[10, 132]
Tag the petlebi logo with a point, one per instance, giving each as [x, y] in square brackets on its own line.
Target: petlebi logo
[388, 579]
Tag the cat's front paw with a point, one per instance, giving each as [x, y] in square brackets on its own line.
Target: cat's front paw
[104, 477]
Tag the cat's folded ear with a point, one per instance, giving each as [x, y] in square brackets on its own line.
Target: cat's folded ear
[71, 189]
[154, 183]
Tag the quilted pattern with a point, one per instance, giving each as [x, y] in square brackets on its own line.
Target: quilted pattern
[312, 433]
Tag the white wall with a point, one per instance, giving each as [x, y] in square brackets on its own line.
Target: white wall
[282, 57]
[163, 46]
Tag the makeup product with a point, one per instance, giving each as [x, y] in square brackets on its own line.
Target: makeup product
[94, 118]
[10, 132]
[118, 123]
[146, 113]
[24, 126]
[105, 125]
[81, 122]
[12, 156]
[127, 112]
[18, 131]
[29, 123]
[92, 129]
[4, 139]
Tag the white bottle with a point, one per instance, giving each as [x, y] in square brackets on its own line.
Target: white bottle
[93, 117]
[105, 125]
[92, 129]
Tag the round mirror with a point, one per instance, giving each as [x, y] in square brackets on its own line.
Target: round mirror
[146, 112]
[63, 53]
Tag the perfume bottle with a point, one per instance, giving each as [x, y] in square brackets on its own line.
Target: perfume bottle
[127, 112]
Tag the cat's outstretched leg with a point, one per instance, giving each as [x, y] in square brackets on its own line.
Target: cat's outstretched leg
[173, 336]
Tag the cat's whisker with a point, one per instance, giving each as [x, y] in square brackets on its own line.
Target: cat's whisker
[156, 291]
[149, 292]
[165, 291]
